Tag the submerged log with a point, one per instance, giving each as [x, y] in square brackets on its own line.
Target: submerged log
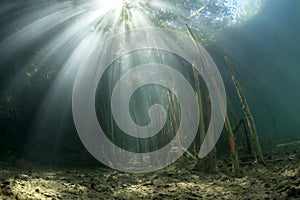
[249, 117]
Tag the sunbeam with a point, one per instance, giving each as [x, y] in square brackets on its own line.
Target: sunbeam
[46, 42]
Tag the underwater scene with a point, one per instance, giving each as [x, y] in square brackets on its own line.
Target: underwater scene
[161, 99]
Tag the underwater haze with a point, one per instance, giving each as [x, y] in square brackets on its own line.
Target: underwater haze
[137, 99]
[266, 55]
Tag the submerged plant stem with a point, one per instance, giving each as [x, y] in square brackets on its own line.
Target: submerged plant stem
[207, 164]
[249, 117]
[234, 154]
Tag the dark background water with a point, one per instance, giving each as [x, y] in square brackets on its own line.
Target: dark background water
[266, 58]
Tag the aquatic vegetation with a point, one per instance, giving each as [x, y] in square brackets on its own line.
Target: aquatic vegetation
[234, 153]
[8, 108]
[249, 117]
